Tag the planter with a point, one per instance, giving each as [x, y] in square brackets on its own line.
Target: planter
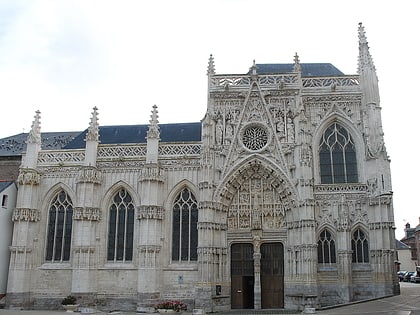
[71, 307]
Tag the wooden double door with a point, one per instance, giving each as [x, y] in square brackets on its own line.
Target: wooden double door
[244, 288]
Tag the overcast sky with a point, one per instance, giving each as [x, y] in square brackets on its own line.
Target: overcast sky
[65, 57]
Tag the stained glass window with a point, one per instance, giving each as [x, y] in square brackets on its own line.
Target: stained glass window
[184, 227]
[360, 247]
[121, 227]
[60, 221]
[337, 156]
[326, 248]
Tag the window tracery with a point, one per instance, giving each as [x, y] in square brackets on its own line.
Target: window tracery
[60, 224]
[184, 227]
[121, 227]
[255, 137]
[360, 247]
[337, 156]
[326, 248]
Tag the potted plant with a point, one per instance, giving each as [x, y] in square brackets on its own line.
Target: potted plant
[69, 303]
[171, 306]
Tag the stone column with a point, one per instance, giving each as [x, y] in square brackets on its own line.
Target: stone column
[84, 252]
[25, 218]
[257, 273]
[150, 215]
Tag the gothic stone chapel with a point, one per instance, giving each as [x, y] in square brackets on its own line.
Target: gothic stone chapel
[279, 198]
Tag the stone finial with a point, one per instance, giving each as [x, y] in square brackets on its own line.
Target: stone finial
[296, 66]
[93, 130]
[253, 69]
[153, 131]
[365, 59]
[211, 68]
[35, 133]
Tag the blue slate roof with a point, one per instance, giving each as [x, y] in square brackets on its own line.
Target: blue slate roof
[5, 184]
[15, 145]
[181, 132]
[401, 245]
[308, 69]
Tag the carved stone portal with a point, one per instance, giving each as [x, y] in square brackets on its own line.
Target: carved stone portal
[257, 203]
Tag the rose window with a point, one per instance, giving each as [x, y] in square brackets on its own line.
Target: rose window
[255, 138]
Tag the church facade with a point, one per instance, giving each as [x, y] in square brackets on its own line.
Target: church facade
[279, 198]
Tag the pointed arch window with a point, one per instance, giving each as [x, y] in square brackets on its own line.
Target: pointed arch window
[326, 248]
[184, 227]
[60, 222]
[337, 156]
[360, 247]
[121, 227]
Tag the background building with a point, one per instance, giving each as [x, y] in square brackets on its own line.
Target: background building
[412, 239]
[404, 259]
[280, 197]
[8, 192]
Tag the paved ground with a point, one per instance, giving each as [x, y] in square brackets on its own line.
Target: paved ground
[408, 303]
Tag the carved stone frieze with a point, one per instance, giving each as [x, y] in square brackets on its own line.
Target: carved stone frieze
[211, 251]
[347, 104]
[336, 198]
[181, 163]
[257, 202]
[149, 249]
[385, 199]
[359, 214]
[150, 212]
[302, 247]
[83, 249]
[152, 173]
[59, 171]
[307, 202]
[206, 185]
[301, 224]
[218, 206]
[89, 174]
[334, 188]
[381, 253]
[26, 214]
[20, 249]
[381, 225]
[325, 217]
[227, 98]
[87, 213]
[211, 226]
[120, 166]
[29, 176]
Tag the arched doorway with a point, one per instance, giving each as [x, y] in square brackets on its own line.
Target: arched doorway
[257, 199]
[249, 283]
[242, 274]
[272, 275]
